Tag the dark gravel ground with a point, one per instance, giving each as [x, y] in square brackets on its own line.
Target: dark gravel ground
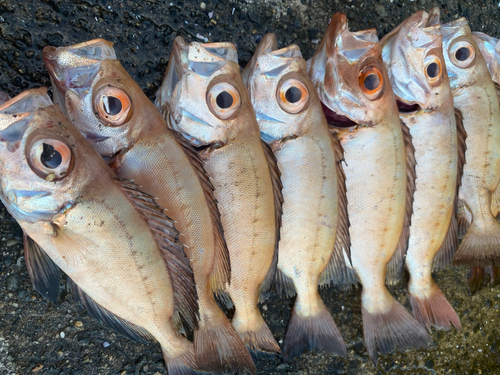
[44, 338]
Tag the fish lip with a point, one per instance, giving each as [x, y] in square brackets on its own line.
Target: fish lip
[336, 120]
[406, 107]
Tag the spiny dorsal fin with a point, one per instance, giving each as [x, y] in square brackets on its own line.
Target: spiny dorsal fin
[450, 243]
[396, 264]
[167, 238]
[268, 282]
[338, 270]
[44, 273]
[221, 273]
[107, 318]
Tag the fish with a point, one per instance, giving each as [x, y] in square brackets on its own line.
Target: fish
[314, 233]
[360, 107]
[120, 252]
[478, 197]
[413, 56]
[203, 98]
[122, 124]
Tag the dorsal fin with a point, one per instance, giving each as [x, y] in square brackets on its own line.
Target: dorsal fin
[268, 282]
[107, 318]
[339, 269]
[221, 273]
[167, 238]
[396, 265]
[450, 243]
[44, 273]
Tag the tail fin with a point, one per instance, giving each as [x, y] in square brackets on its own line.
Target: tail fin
[219, 349]
[308, 333]
[478, 278]
[434, 311]
[395, 329]
[184, 364]
[480, 247]
[257, 336]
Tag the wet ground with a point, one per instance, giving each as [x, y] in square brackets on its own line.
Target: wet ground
[38, 337]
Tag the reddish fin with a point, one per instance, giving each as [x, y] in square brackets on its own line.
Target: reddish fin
[478, 278]
[480, 247]
[260, 343]
[107, 318]
[449, 246]
[313, 333]
[267, 284]
[221, 273]
[395, 266]
[464, 218]
[167, 238]
[435, 311]
[396, 329]
[182, 365]
[461, 145]
[220, 350]
[338, 269]
[44, 273]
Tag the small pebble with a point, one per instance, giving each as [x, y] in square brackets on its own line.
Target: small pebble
[60, 353]
[37, 368]
[264, 307]
[62, 334]
[13, 283]
[11, 243]
[78, 324]
[203, 5]
[105, 344]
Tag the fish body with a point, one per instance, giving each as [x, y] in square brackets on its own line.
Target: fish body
[490, 49]
[474, 95]
[414, 60]
[205, 100]
[353, 86]
[295, 128]
[113, 113]
[80, 220]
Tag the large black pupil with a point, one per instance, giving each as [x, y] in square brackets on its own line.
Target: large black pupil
[51, 158]
[372, 82]
[114, 106]
[462, 54]
[224, 100]
[293, 94]
[433, 70]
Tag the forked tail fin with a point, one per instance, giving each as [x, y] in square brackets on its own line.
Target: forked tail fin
[435, 310]
[219, 349]
[184, 364]
[480, 246]
[312, 333]
[395, 329]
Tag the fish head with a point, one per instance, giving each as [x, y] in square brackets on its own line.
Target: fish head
[349, 75]
[202, 95]
[490, 49]
[465, 64]
[413, 56]
[44, 161]
[99, 96]
[283, 96]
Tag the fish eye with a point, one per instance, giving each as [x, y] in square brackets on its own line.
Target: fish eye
[462, 54]
[433, 68]
[371, 82]
[292, 95]
[112, 105]
[223, 100]
[50, 159]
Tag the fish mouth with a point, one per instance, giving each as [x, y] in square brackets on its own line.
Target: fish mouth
[407, 108]
[336, 120]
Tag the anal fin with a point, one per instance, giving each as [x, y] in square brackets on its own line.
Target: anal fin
[44, 273]
[167, 239]
[266, 286]
[395, 265]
